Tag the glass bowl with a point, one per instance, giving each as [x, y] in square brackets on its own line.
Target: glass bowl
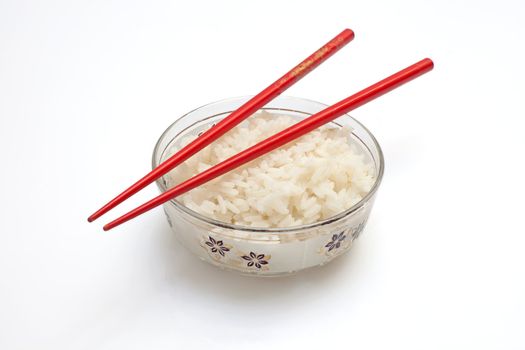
[266, 251]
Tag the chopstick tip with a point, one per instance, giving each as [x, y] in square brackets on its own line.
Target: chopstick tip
[429, 62]
[96, 215]
[350, 33]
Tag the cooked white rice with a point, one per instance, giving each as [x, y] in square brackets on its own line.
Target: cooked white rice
[317, 176]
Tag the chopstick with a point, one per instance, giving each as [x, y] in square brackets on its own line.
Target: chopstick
[243, 112]
[287, 135]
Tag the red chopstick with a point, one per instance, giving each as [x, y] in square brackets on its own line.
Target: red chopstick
[234, 118]
[285, 136]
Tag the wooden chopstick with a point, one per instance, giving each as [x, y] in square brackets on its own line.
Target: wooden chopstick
[293, 132]
[234, 118]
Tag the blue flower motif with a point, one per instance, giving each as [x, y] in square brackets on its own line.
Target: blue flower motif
[216, 246]
[256, 260]
[336, 241]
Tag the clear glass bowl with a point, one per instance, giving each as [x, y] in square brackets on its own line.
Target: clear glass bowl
[266, 251]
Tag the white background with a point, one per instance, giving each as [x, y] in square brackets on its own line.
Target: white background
[87, 87]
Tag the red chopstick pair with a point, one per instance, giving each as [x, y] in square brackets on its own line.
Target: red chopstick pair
[280, 139]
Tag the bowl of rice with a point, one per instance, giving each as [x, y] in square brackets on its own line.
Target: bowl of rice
[297, 207]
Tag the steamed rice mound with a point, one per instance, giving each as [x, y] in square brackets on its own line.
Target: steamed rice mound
[313, 178]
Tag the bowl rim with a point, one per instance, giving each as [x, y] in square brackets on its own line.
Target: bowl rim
[355, 208]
